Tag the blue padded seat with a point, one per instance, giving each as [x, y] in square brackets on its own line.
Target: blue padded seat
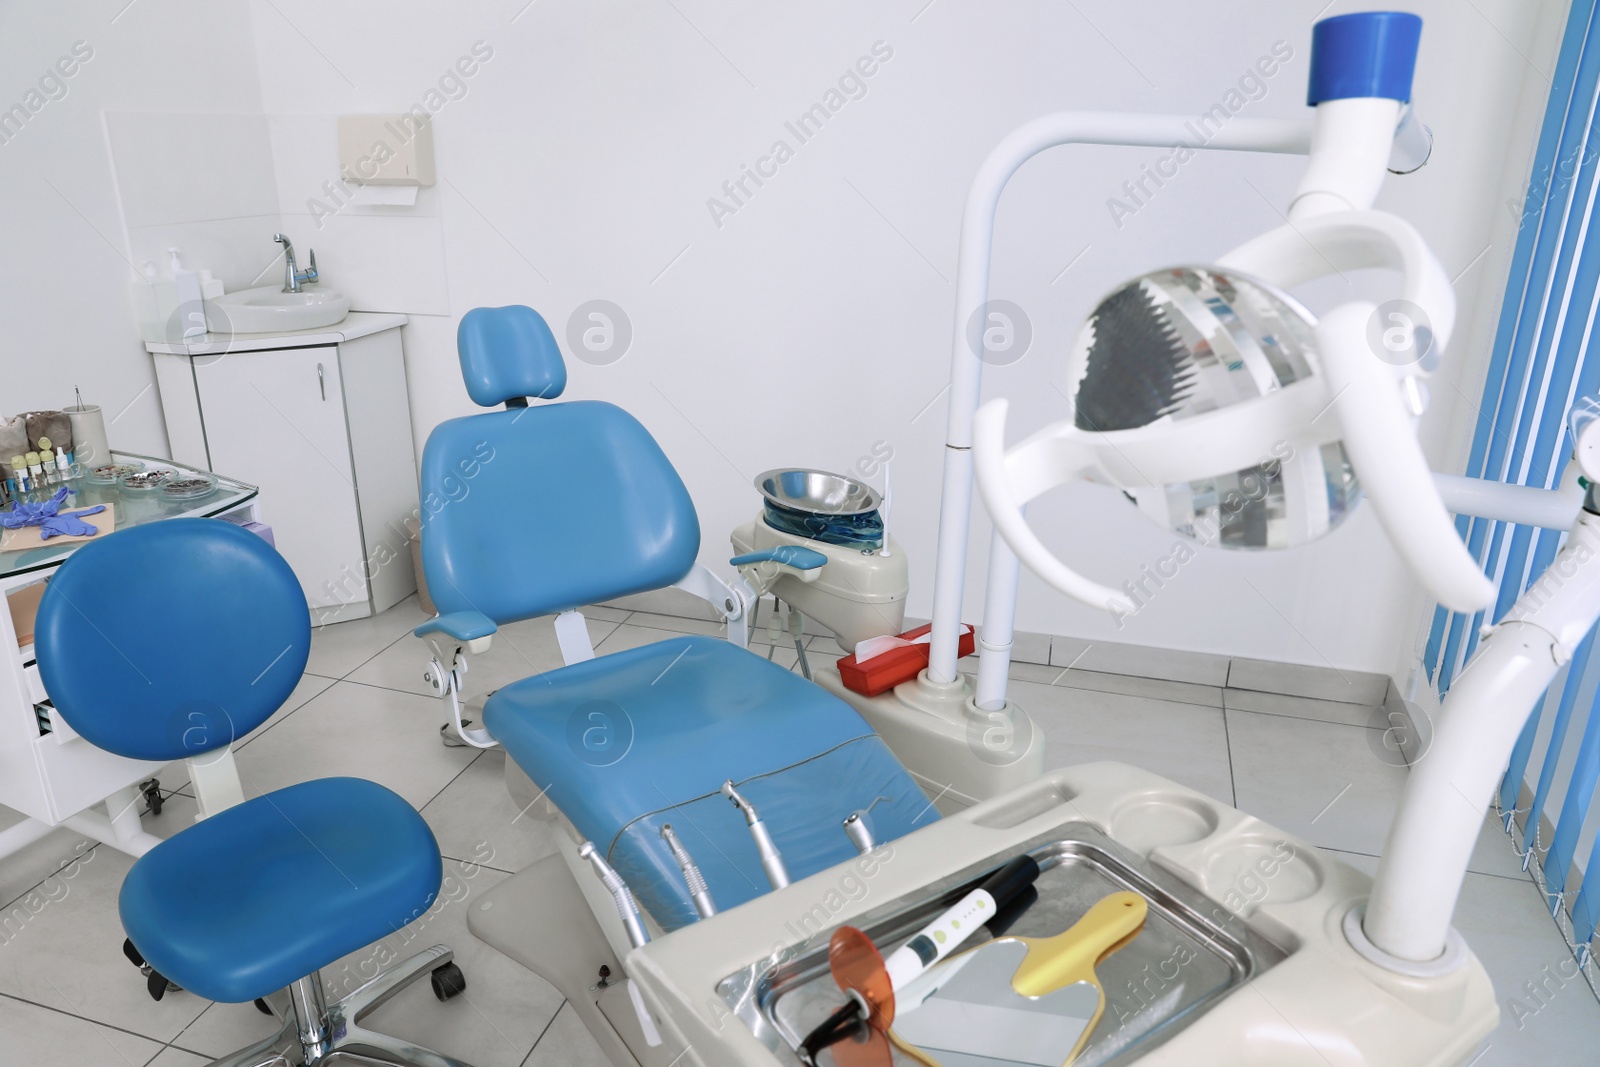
[627, 741]
[244, 903]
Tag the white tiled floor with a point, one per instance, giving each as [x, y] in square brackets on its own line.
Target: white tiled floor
[68, 998]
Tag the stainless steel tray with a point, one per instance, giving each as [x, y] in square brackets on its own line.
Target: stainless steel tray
[1191, 952]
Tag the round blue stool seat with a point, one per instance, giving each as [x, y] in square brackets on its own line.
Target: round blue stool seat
[262, 894]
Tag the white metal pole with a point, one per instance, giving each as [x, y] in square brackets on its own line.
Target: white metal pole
[997, 635]
[1292, 136]
[1449, 789]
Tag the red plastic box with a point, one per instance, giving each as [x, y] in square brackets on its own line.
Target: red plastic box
[884, 672]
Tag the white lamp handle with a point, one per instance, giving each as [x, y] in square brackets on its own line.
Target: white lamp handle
[994, 485]
[1292, 255]
[1383, 449]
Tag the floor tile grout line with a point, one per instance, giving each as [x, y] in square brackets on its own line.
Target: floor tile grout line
[386, 647]
[8, 904]
[478, 863]
[382, 649]
[184, 1048]
[185, 1030]
[392, 689]
[1302, 718]
[1227, 743]
[262, 731]
[546, 1030]
[1186, 702]
[453, 779]
[1470, 870]
[1296, 696]
[97, 1022]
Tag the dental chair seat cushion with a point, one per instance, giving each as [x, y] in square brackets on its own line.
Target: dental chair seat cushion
[625, 742]
[251, 899]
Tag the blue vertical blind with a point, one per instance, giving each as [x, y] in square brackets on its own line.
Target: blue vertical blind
[1539, 364]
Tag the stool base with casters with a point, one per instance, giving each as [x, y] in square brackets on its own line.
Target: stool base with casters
[313, 1030]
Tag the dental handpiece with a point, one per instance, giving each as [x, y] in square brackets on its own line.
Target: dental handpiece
[860, 835]
[627, 907]
[771, 860]
[699, 892]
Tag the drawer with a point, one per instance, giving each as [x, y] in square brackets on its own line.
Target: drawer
[36, 691]
[50, 722]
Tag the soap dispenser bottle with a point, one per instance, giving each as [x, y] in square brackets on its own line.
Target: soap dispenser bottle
[190, 295]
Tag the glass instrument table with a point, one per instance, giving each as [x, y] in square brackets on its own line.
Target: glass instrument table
[48, 774]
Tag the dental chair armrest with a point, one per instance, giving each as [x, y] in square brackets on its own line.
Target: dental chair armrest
[471, 628]
[796, 556]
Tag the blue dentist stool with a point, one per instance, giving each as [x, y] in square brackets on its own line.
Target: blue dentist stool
[171, 640]
[531, 511]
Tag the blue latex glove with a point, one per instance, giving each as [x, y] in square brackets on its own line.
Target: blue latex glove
[46, 515]
[32, 513]
[70, 525]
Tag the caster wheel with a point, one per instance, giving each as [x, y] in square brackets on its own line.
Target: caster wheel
[448, 981]
[151, 790]
[263, 1007]
[132, 953]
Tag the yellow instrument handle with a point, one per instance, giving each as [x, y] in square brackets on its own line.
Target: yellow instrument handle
[1055, 962]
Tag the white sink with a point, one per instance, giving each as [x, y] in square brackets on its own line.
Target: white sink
[269, 309]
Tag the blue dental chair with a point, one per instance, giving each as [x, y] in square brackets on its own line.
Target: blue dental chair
[175, 639]
[531, 511]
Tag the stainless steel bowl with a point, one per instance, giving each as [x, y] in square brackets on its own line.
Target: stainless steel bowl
[816, 492]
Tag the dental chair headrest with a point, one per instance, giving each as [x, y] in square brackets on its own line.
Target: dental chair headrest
[507, 354]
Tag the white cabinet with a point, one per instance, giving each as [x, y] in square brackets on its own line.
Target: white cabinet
[321, 422]
[276, 418]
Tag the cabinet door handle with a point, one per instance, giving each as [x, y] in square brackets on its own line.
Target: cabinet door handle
[322, 383]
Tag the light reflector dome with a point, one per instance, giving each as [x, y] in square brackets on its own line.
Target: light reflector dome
[1180, 342]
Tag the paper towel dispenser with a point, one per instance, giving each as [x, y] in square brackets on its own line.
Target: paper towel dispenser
[392, 150]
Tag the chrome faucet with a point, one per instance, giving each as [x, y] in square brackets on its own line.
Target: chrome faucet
[292, 277]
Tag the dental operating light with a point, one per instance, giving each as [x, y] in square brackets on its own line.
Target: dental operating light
[1231, 415]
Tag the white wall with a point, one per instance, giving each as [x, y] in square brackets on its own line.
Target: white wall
[816, 320]
[219, 205]
[577, 161]
[65, 268]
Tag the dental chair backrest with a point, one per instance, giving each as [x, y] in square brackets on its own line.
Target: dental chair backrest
[528, 511]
